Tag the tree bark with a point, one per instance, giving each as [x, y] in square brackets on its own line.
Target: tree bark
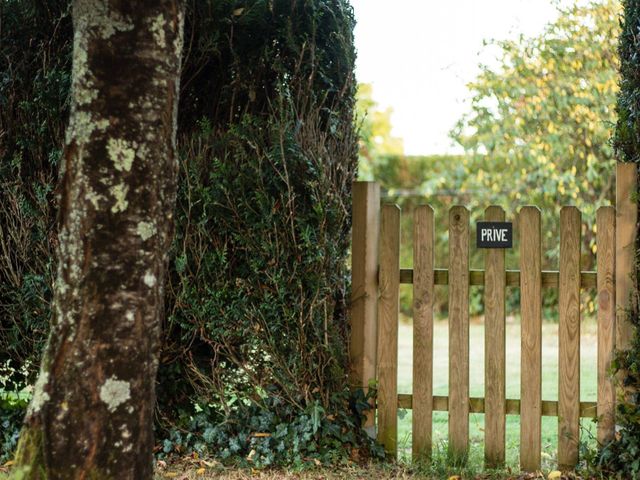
[92, 409]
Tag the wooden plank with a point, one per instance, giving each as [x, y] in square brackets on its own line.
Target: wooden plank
[364, 289]
[423, 267]
[569, 339]
[550, 279]
[605, 241]
[626, 218]
[531, 340]
[494, 348]
[458, 331]
[388, 306]
[477, 405]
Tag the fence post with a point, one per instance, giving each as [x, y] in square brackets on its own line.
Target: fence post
[626, 218]
[364, 289]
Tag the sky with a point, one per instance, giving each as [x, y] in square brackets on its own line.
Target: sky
[420, 55]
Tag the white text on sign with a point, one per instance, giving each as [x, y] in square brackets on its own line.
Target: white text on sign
[494, 234]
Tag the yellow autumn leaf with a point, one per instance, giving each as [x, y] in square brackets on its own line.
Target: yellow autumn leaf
[200, 471]
[554, 475]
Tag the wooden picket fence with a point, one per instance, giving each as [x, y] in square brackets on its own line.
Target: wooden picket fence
[376, 277]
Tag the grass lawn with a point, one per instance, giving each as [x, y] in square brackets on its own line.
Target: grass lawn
[588, 387]
[374, 471]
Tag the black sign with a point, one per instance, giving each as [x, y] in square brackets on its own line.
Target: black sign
[494, 235]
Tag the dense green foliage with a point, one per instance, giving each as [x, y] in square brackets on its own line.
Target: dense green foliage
[14, 396]
[622, 457]
[256, 325]
[278, 434]
[627, 134]
[35, 69]
[263, 218]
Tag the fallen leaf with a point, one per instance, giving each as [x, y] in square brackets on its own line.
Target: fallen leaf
[554, 475]
[200, 471]
[455, 477]
[252, 454]
[260, 434]
[9, 463]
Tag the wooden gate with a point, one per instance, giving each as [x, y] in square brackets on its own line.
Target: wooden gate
[376, 276]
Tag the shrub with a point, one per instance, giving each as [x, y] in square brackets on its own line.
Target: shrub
[256, 295]
[257, 309]
[35, 63]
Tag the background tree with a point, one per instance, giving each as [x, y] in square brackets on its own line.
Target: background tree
[537, 132]
[92, 408]
[541, 119]
[375, 138]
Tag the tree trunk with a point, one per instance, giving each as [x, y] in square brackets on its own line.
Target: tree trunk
[92, 409]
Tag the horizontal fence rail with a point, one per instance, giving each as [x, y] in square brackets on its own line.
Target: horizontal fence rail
[550, 278]
[512, 406]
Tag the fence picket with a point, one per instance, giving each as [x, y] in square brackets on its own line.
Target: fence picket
[569, 339]
[531, 338]
[605, 241]
[388, 305]
[494, 370]
[364, 289]
[423, 267]
[458, 330]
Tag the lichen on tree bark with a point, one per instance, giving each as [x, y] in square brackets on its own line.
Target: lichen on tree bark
[91, 415]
